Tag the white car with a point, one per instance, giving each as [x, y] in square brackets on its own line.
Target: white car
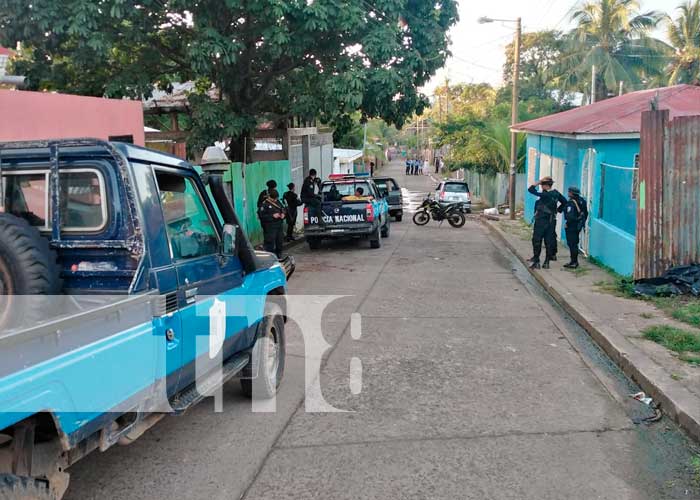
[454, 192]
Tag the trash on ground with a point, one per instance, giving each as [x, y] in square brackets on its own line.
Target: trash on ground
[642, 398]
[679, 280]
[491, 211]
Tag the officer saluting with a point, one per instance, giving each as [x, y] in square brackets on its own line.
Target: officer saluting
[272, 215]
[575, 213]
[546, 209]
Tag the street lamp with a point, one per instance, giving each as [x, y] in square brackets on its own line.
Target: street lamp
[514, 105]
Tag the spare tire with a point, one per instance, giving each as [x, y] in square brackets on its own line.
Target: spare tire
[27, 267]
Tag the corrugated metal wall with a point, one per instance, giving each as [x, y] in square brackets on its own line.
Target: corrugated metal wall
[668, 217]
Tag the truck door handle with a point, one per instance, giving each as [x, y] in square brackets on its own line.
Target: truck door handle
[169, 334]
[191, 295]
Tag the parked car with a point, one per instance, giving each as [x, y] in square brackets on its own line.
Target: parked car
[346, 215]
[122, 302]
[454, 192]
[390, 188]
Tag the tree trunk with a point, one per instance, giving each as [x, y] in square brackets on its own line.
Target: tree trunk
[241, 148]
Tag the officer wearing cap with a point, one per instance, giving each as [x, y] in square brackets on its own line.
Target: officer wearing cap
[575, 213]
[546, 209]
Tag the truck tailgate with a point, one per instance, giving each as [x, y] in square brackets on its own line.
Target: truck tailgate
[343, 214]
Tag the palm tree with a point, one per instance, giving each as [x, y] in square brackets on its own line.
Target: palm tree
[613, 36]
[684, 35]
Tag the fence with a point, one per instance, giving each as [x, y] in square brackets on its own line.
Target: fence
[668, 229]
[492, 189]
[247, 183]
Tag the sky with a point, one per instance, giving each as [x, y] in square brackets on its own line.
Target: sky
[478, 49]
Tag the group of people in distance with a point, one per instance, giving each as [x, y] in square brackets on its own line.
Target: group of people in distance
[273, 212]
[414, 166]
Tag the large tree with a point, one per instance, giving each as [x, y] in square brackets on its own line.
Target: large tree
[684, 35]
[614, 36]
[251, 60]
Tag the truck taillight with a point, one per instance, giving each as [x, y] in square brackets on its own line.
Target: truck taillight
[370, 212]
[306, 215]
[469, 196]
[442, 195]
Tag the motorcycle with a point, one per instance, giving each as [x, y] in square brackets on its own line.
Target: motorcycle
[432, 209]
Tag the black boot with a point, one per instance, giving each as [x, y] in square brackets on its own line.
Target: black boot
[535, 264]
[571, 265]
[545, 264]
[553, 257]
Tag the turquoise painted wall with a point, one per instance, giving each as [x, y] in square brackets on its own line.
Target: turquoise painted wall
[613, 226]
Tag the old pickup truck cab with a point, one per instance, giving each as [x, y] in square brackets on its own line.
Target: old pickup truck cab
[127, 292]
[352, 207]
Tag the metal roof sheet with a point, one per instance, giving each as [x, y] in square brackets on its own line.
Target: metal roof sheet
[617, 115]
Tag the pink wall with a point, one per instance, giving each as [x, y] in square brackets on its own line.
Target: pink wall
[43, 115]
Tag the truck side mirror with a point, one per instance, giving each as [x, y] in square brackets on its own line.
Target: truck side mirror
[228, 242]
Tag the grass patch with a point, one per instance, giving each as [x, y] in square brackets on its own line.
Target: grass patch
[618, 285]
[578, 272]
[684, 342]
[695, 469]
[680, 308]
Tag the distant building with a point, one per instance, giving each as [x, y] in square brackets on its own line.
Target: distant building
[47, 115]
[596, 148]
[5, 55]
[345, 160]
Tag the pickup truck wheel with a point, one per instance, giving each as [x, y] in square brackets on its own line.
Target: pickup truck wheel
[386, 229]
[314, 242]
[23, 488]
[375, 240]
[27, 267]
[267, 358]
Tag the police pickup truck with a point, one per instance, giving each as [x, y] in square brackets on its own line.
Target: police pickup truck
[352, 207]
[127, 292]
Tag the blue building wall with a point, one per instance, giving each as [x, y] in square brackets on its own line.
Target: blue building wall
[612, 205]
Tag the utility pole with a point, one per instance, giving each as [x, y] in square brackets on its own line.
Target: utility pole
[514, 117]
[447, 97]
[593, 85]
[622, 85]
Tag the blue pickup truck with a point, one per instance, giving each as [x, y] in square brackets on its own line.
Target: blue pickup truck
[128, 292]
[352, 207]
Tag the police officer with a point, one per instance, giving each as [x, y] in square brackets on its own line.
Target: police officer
[271, 184]
[272, 215]
[546, 209]
[311, 196]
[292, 201]
[575, 213]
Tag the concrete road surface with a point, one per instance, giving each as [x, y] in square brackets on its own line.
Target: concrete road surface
[473, 386]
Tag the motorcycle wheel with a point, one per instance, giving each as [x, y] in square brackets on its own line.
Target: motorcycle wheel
[421, 218]
[456, 219]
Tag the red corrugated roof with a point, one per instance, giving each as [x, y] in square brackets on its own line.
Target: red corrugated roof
[618, 115]
[6, 52]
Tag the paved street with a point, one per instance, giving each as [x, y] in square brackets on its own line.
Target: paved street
[471, 389]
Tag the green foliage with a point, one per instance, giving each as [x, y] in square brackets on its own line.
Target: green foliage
[613, 36]
[684, 35]
[477, 128]
[252, 60]
[681, 308]
[675, 339]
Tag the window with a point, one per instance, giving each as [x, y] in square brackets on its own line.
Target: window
[190, 229]
[83, 204]
[344, 189]
[456, 187]
[386, 185]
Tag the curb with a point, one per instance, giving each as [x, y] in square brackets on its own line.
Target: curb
[676, 401]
